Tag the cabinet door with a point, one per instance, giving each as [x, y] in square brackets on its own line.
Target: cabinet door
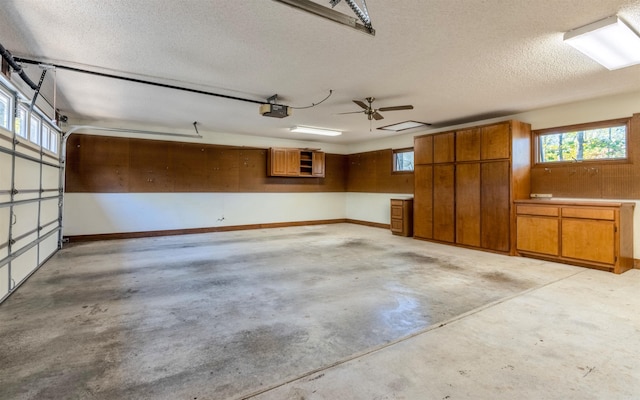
[318, 164]
[423, 201]
[496, 141]
[589, 240]
[538, 235]
[495, 205]
[443, 147]
[444, 202]
[468, 204]
[293, 162]
[423, 149]
[468, 145]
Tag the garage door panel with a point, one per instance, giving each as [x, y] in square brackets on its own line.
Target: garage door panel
[5, 172]
[49, 211]
[22, 266]
[50, 176]
[25, 218]
[27, 175]
[4, 231]
[4, 281]
[27, 150]
[48, 247]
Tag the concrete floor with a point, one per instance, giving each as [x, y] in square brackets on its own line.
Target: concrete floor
[321, 312]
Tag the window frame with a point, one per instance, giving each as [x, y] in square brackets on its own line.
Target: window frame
[393, 160]
[536, 135]
[8, 114]
[22, 132]
[34, 137]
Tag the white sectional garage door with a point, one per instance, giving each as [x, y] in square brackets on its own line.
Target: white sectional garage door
[30, 194]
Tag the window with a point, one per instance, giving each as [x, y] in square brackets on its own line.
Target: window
[45, 136]
[5, 111]
[21, 122]
[53, 141]
[403, 160]
[34, 132]
[597, 141]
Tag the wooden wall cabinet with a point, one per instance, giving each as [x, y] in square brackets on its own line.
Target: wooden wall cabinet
[464, 189]
[402, 217]
[295, 162]
[590, 234]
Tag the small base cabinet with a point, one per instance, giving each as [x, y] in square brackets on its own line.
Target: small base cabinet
[589, 234]
[402, 217]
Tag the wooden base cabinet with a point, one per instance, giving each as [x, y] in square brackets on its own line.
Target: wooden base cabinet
[590, 234]
[402, 217]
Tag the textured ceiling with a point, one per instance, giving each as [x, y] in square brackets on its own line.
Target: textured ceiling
[454, 60]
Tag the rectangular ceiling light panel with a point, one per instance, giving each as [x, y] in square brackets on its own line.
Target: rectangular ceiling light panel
[609, 41]
[315, 131]
[403, 126]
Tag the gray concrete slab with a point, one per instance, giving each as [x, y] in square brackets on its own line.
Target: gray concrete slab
[293, 313]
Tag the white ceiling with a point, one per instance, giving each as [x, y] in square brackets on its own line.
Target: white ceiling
[453, 60]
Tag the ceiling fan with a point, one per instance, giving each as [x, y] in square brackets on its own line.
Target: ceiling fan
[373, 113]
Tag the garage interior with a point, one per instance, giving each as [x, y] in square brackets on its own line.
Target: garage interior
[167, 233]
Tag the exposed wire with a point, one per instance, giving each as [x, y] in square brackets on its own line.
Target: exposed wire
[314, 104]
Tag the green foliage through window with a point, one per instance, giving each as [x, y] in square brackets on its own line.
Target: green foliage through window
[601, 143]
[403, 160]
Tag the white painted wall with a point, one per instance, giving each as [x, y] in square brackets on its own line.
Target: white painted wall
[371, 207]
[611, 107]
[108, 213]
[96, 213]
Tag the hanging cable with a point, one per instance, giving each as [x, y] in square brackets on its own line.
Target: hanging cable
[314, 104]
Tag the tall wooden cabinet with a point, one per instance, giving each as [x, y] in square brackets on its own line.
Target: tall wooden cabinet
[465, 184]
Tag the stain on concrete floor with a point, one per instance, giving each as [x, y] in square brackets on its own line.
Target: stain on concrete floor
[219, 316]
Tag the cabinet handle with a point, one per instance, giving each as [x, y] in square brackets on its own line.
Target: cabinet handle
[14, 218]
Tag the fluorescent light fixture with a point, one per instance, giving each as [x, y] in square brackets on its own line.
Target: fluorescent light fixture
[403, 126]
[315, 131]
[609, 41]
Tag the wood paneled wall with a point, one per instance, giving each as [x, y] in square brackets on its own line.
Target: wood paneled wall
[372, 172]
[597, 180]
[100, 164]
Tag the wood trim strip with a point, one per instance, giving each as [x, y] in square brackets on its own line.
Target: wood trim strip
[367, 223]
[173, 232]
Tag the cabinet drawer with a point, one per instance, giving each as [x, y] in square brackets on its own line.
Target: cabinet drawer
[548, 211]
[395, 202]
[590, 213]
[397, 225]
[397, 212]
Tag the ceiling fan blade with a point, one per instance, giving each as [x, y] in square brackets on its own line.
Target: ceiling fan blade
[361, 104]
[377, 116]
[352, 112]
[396, 108]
